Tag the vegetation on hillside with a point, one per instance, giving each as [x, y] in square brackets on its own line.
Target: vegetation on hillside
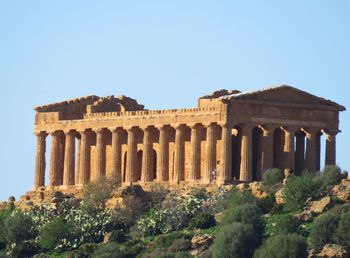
[224, 223]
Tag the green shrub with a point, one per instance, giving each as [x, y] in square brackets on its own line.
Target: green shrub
[19, 227]
[268, 204]
[25, 249]
[170, 219]
[131, 209]
[340, 208]
[286, 246]
[298, 189]
[331, 175]
[235, 198]
[176, 255]
[118, 235]
[323, 229]
[286, 224]
[97, 193]
[55, 234]
[88, 249]
[179, 245]
[202, 220]
[166, 240]
[111, 250]
[245, 214]
[3, 255]
[272, 180]
[235, 240]
[342, 233]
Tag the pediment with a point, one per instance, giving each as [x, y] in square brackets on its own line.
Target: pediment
[286, 94]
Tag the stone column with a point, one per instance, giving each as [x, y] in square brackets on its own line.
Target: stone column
[267, 159]
[40, 163]
[146, 155]
[163, 159]
[179, 164]
[69, 158]
[84, 159]
[116, 171]
[289, 147]
[195, 157]
[225, 172]
[211, 153]
[77, 165]
[246, 154]
[54, 159]
[131, 155]
[311, 150]
[100, 154]
[330, 147]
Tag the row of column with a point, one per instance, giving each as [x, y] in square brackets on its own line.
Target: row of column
[76, 172]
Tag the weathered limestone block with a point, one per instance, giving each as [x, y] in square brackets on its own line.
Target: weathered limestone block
[342, 191]
[201, 243]
[257, 191]
[3, 206]
[334, 251]
[279, 197]
[315, 208]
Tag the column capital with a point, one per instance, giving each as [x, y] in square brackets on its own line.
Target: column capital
[114, 129]
[267, 129]
[145, 128]
[68, 131]
[83, 131]
[194, 125]
[130, 128]
[330, 132]
[290, 129]
[178, 126]
[41, 133]
[206, 125]
[54, 133]
[161, 126]
[98, 130]
[310, 131]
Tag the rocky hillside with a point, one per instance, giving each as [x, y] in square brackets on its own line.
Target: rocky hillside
[283, 216]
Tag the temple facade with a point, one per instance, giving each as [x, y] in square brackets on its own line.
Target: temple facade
[230, 136]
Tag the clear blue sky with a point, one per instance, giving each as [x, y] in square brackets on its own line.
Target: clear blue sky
[165, 54]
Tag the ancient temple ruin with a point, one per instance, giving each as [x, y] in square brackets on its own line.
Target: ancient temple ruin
[230, 136]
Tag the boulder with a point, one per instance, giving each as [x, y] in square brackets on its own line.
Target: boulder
[279, 197]
[320, 206]
[242, 186]
[200, 243]
[218, 217]
[3, 206]
[107, 237]
[201, 240]
[257, 191]
[314, 208]
[114, 202]
[334, 251]
[342, 191]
